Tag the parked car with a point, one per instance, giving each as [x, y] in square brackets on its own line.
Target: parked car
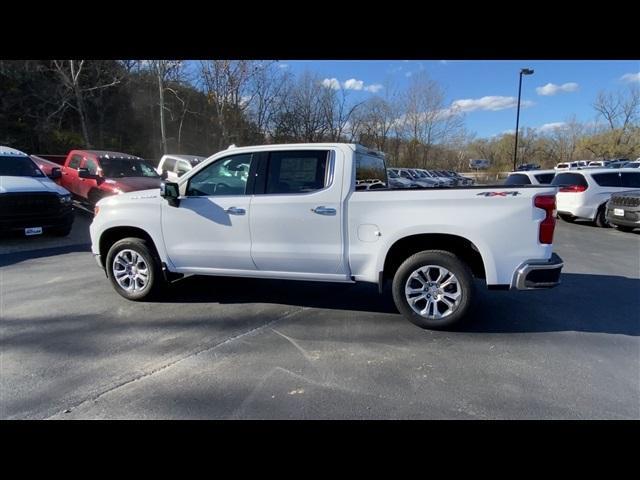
[566, 165]
[528, 166]
[396, 181]
[635, 164]
[30, 202]
[530, 177]
[618, 164]
[454, 181]
[422, 181]
[623, 210]
[301, 218]
[173, 167]
[598, 163]
[430, 175]
[584, 193]
[91, 175]
[479, 164]
[462, 180]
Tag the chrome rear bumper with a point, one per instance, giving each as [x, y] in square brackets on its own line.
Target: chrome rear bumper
[535, 274]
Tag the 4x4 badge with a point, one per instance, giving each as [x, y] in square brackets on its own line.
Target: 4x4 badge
[498, 194]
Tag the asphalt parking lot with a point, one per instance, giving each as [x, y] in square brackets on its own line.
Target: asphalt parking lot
[235, 348]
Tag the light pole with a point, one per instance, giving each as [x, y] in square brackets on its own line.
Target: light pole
[524, 71]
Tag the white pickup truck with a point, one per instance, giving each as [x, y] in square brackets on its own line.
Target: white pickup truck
[293, 212]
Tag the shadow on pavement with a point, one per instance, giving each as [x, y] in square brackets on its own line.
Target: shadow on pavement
[7, 259]
[589, 303]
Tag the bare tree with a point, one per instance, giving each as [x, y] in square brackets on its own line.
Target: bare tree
[426, 121]
[70, 73]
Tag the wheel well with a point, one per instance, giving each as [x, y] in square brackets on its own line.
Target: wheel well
[459, 246]
[112, 235]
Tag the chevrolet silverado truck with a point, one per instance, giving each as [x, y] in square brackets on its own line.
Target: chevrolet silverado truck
[30, 202]
[293, 212]
[94, 174]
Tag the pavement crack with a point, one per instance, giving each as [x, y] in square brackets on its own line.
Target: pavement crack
[192, 354]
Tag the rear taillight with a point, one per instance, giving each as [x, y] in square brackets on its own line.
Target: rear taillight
[573, 188]
[548, 204]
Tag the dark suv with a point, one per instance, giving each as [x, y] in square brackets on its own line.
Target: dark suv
[623, 210]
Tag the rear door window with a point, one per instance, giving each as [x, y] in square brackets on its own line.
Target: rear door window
[293, 172]
[168, 165]
[607, 179]
[630, 179]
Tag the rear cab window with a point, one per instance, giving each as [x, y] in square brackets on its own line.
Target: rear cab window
[545, 178]
[517, 179]
[371, 169]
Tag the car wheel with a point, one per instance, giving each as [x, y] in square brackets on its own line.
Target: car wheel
[624, 228]
[601, 219]
[566, 218]
[133, 269]
[433, 289]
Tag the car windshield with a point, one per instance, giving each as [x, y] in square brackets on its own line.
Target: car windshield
[392, 174]
[18, 166]
[126, 167]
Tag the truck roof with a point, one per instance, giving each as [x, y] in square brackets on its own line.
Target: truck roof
[353, 146]
[11, 151]
[107, 154]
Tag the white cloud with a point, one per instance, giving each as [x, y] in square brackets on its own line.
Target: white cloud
[375, 88]
[552, 89]
[443, 62]
[548, 127]
[492, 103]
[331, 83]
[353, 84]
[630, 77]
[408, 74]
[283, 65]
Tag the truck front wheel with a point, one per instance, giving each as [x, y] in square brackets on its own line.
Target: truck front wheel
[433, 289]
[133, 269]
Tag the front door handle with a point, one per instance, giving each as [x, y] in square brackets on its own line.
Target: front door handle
[235, 211]
[324, 211]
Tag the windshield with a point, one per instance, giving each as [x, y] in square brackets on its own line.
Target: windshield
[15, 166]
[392, 174]
[121, 167]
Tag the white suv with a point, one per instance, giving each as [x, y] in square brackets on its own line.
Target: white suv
[584, 193]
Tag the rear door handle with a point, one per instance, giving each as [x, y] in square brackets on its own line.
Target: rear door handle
[235, 211]
[324, 210]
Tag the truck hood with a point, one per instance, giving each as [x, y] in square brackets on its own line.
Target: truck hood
[133, 184]
[9, 184]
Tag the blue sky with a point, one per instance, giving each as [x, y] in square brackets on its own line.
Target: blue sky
[575, 85]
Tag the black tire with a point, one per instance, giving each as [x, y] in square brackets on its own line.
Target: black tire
[567, 218]
[439, 258]
[143, 249]
[61, 231]
[624, 228]
[601, 218]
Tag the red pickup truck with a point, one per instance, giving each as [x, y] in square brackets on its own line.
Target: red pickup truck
[93, 174]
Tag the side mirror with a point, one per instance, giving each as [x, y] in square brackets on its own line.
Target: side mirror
[84, 173]
[164, 175]
[171, 192]
[55, 173]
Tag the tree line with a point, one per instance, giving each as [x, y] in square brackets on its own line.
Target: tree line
[151, 107]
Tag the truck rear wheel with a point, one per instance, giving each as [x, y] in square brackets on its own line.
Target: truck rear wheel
[433, 289]
[133, 269]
